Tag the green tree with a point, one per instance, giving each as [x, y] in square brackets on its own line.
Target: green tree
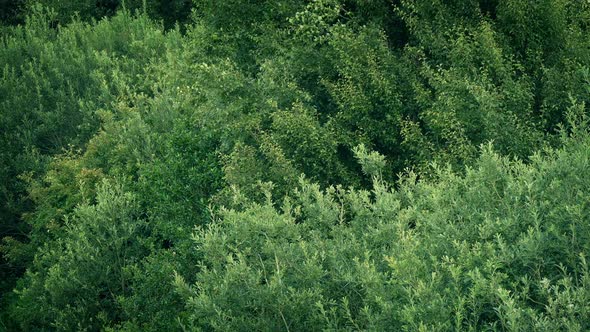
[75, 282]
[500, 248]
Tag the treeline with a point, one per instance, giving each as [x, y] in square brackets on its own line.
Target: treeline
[295, 165]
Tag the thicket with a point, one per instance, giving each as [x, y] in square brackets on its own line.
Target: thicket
[295, 165]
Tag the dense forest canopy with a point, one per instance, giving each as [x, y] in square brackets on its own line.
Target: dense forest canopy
[288, 165]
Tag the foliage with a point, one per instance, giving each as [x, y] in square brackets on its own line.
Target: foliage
[502, 248]
[75, 282]
[13, 12]
[53, 83]
[294, 165]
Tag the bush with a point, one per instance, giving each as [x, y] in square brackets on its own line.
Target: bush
[502, 248]
[342, 165]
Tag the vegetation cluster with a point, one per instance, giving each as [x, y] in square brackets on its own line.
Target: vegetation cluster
[295, 165]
